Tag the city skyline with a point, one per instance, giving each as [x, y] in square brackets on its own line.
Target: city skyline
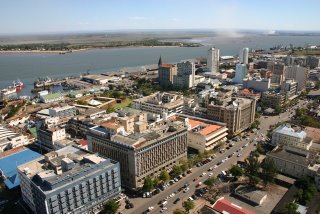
[78, 16]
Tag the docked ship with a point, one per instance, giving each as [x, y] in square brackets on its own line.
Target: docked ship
[8, 91]
[42, 82]
[15, 87]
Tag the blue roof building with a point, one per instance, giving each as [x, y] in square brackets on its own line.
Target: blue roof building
[9, 161]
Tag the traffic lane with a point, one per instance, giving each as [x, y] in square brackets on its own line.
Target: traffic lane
[196, 172]
[223, 167]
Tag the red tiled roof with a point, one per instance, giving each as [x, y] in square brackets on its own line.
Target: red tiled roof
[223, 205]
[195, 123]
[209, 129]
[83, 142]
[167, 65]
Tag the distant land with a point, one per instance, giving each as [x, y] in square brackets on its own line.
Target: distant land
[134, 38]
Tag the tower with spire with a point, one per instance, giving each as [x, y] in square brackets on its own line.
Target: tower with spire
[160, 62]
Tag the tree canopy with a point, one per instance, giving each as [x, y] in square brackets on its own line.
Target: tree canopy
[111, 207]
[148, 184]
[188, 205]
[164, 176]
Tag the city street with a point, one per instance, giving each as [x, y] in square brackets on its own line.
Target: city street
[142, 204]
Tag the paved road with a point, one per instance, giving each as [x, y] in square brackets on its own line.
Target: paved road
[142, 204]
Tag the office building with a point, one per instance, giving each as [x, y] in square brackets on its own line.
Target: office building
[144, 152]
[313, 62]
[164, 104]
[185, 77]
[241, 73]
[290, 88]
[257, 84]
[69, 180]
[286, 136]
[244, 56]
[62, 112]
[213, 60]
[299, 74]
[277, 69]
[166, 73]
[272, 100]
[237, 113]
[10, 139]
[205, 136]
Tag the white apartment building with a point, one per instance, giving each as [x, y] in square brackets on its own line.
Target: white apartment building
[10, 139]
[241, 73]
[299, 74]
[213, 60]
[185, 77]
[244, 56]
[257, 84]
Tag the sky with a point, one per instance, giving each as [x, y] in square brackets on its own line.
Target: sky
[54, 16]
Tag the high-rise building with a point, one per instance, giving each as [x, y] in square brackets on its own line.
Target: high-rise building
[257, 84]
[166, 73]
[244, 56]
[277, 69]
[185, 77]
[299, 74]
[213, 60]
[241, 73]
[237, 113]
[141, 153]
[69, 180]
[289, 88]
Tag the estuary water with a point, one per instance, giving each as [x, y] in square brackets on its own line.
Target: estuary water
[29, 66]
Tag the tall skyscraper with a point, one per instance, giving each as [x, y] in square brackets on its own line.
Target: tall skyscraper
[244, 56]
[213, 60]
[185, 75]
[241, 72]
[166, 73]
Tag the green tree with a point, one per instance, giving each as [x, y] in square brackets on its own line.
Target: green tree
[269, 171]
[178, 211]
[290, 208]
[210, 182]
[156, 182]
[236, 171]
[111, 207]
[277, 109]
[176, 171]
[164, 176]
[184, 165]
[116, 94]
[148, 184]
[251, 169]
[188, 205]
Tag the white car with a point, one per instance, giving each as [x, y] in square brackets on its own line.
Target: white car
[150, 208]
[215, 166]
[238, 155]
[186, 189]
[210, 174]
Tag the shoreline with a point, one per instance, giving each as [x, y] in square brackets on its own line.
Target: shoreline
[86, 49]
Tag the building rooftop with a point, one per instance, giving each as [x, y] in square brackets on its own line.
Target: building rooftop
[224, 206]
[313, 133]
[52, 96]
[9, 161]
[167, 65]
[202, 127]
[250, 193]
[290, 156]
[60, 168]
[284, 129]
